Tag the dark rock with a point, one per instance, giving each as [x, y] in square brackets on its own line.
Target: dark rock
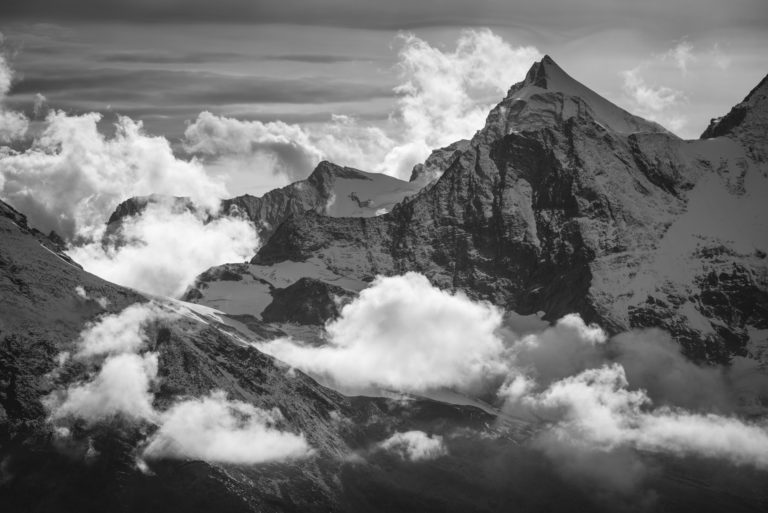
[307, 301]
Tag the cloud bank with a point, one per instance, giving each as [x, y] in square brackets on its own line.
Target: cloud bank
[593, 397]
[211, 428]
[72, 177]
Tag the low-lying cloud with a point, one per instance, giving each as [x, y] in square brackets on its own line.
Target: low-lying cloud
[404, 334]
[121, 388]
[415, 446]
[212, 428]
[215, 429]
[167, 249]
[593, 397]
[72, 177]
[596, 407]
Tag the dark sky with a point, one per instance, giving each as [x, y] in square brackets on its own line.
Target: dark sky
[654, 15]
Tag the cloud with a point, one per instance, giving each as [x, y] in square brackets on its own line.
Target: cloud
[13, 125]
[73, 177]
[720, 58]
[193, 87]
[446, 96]
[657, 103]
[212, 428]
[123, 332]
[167, 249]
[681, 54]
[597, 401]
[443, 96]
[100, 300]
[415, 446]
[597, 408]
[215, 429]
[282, 149]
[567, 347]
[121, 388]
[402, 333]
[292, 150]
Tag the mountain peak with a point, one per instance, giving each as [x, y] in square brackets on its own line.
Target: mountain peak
[748, 116]
[546, 79]
[545, 74]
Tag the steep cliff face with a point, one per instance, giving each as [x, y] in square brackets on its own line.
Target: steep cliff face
[564, 203]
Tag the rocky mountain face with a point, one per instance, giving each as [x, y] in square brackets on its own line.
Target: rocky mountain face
[45, 302]
[564, 203]
[746, 122]
[330, 190]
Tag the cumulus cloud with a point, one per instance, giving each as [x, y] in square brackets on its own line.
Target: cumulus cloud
[215, 429]
[212, 428]
[415, 446]
[123, 332]
[402, 333]
[286, 150]
[444, 96]
[73, 177]
[167, 249]
[596, 407]
[121, 388]
[657, 103]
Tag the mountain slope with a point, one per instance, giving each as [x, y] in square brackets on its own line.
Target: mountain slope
[46, 301]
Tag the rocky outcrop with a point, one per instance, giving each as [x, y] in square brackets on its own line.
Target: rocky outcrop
[308, 301]
[437, 162]
[747, 121]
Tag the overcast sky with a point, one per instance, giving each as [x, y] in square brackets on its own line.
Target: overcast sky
[164, 61]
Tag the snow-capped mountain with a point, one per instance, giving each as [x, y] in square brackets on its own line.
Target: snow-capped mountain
[562, 203]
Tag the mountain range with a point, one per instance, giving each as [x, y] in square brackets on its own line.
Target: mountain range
[562, 203]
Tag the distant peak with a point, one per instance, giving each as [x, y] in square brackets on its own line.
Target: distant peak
[543, 72]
